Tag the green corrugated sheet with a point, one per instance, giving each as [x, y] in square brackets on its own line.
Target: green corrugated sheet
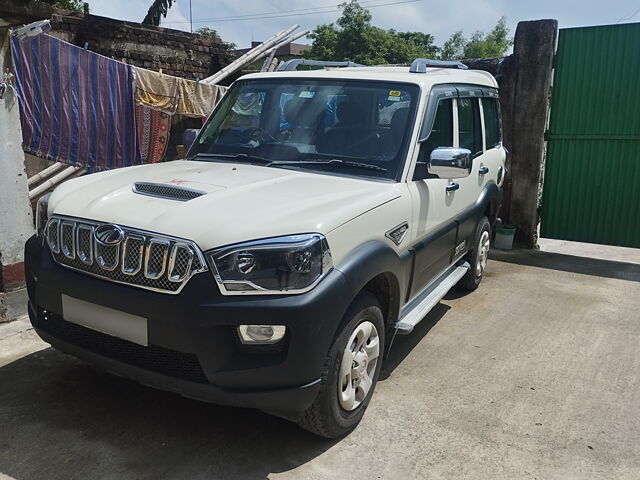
[592, 171]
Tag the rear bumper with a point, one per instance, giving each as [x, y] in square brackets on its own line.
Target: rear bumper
[193, 346]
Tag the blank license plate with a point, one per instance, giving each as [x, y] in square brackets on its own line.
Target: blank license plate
[106, 320]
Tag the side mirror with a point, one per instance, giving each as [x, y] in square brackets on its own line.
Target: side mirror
[449, 162]
[188, 137]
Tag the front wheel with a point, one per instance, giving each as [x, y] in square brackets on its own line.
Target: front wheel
[477, 257]
[351, 371]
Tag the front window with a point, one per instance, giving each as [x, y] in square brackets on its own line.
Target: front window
[348, 127]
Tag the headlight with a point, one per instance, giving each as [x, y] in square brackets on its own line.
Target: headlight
[41, 214]
[291, 264]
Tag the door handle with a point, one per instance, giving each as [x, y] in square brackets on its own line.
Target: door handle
[483, 170]
[453, 186]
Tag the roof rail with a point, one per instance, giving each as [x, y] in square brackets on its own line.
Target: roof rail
[293, 64]
[419, 65]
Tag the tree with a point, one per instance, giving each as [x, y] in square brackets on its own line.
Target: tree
[453, 49]
[353, 38]
[494, 44]
[157, 10]
[228, 47]
[73, 5]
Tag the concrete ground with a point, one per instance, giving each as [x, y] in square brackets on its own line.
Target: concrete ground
[535, 375]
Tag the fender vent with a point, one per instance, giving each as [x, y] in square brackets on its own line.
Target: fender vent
[162, 190]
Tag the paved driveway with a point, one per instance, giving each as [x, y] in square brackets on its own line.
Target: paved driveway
[535, 375]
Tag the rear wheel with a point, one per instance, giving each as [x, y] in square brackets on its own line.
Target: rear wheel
[477, 257]
[351, 371]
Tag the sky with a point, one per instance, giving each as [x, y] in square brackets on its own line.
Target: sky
[440, 18]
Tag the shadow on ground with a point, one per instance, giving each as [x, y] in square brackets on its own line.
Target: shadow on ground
[62, 419]
[570, 263]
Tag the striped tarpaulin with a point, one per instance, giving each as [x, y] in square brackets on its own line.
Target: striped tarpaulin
[77, 107]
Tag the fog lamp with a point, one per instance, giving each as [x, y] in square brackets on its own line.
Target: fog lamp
[261, 334]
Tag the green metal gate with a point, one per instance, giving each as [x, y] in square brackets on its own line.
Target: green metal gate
[592, 171]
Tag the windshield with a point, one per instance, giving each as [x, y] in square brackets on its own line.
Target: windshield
[348, 127]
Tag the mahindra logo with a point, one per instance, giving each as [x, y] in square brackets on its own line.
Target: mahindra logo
[109, 235]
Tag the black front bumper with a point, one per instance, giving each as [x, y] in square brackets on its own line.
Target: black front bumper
[193, 347]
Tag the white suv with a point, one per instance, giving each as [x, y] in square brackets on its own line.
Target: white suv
[318, 214]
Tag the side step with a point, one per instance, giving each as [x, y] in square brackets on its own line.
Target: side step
[417, 309]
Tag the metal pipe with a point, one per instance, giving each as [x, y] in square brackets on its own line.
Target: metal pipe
[51, 169]
[52, 182]
[287, 41]
[248, 57]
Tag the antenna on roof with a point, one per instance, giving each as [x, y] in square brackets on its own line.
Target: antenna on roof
[419, 65]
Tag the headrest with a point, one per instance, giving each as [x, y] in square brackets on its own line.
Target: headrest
[349, 113]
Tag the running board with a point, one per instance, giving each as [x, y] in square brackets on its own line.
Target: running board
[418, 308]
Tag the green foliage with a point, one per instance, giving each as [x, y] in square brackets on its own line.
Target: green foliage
[157, 10]
[479, 45]
[227, 46]
[353, 38]
[453, 49]
[73, 5]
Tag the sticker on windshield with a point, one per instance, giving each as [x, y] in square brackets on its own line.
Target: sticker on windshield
[394, 93]
[306, 94]
[393, 99]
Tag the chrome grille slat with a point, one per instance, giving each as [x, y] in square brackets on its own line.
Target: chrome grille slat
[180, 262]
[155, 260]
[53, 235]
[171, 192]
[143, 259]
[68, 239]
[84, 243]
[132, 254]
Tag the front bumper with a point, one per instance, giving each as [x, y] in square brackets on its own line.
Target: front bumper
[193, 345]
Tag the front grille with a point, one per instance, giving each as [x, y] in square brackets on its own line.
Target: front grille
[171, 192]
[142, 259]
[172, 363]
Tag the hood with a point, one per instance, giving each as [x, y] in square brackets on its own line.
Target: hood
[241, 202]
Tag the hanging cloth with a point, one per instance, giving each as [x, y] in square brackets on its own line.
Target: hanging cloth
[156, 90]
[173, 95]
[76, 106]
[197, 99]
[153, 127]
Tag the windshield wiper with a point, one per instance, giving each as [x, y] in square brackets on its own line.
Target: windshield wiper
[245, 156]
[333, 161]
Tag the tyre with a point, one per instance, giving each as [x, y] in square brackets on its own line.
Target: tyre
[477, 257]
[350, 373]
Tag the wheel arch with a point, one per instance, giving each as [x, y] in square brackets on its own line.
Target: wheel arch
[376, 268]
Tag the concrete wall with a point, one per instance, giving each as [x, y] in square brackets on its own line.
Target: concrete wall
[16, 222]
[525, 90]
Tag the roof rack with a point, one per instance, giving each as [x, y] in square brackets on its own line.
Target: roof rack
[293, 64]
[419, 65]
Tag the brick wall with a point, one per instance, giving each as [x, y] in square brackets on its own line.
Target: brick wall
[177, 53]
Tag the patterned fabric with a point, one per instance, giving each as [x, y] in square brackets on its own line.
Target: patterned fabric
[153, 127]
[77, 107]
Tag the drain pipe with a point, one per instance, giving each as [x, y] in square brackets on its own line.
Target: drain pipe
[53, 181]
[50, 170]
